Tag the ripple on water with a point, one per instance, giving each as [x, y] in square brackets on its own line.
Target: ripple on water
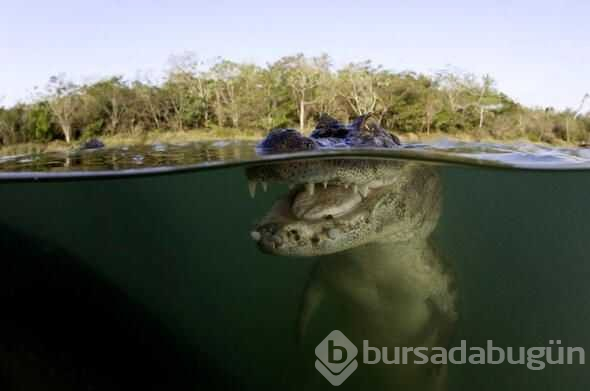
[161, 157]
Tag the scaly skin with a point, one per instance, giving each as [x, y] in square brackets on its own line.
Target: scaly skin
[395, 212]
[370, 227]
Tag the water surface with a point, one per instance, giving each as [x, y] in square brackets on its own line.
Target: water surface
[152, 280]
[168, 158]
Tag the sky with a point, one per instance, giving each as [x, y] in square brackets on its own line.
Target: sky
[537, 51]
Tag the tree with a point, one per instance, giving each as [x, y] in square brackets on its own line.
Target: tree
[575, 114]
[150, 107]
[111, 99]
[357, 85]
[277, 103]
[188, 86]
[225, 75]
[194, 94]
[64, 101]
[403, 99]
[38, 122]
[304, 76]
[9, 125]
[466, 91]
[488, 99]
[432, 106]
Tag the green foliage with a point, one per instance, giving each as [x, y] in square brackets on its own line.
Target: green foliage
[290, 92]
[38, 122]
[10, 125]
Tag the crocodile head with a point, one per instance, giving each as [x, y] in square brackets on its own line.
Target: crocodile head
[339, 204]
[318, 220]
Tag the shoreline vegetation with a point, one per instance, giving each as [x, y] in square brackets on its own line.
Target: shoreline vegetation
[201, 135]
[220, 99]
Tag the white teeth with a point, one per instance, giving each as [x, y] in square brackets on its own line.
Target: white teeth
[252, 188]
[264, 186]
[365, 190]
[255, 235]
[325, 184]
[346, 185]
[310, 187]
[355, 188]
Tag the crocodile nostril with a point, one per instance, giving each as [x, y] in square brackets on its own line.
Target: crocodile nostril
[295, 234]
[271, 228]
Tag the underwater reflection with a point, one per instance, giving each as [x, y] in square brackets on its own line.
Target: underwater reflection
[369, 224]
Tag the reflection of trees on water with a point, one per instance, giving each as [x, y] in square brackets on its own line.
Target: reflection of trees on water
[150, 156]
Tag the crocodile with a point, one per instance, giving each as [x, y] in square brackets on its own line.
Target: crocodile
[369, 223]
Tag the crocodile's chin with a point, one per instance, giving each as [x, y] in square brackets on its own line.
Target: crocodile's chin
[324, 220]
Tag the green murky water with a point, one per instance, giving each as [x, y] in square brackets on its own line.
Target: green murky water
[151, 280]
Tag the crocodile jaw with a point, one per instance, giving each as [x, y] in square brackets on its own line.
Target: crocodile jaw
[312, 221]
[316, 232]
[358, 175]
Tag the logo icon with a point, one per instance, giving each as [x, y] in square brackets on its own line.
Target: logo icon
[336, 358]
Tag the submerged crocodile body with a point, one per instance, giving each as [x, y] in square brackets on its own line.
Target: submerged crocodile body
[369, 223]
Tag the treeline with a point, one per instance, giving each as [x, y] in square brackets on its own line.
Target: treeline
[289, 92]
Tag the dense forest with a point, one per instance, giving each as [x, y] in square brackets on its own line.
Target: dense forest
[238, 97]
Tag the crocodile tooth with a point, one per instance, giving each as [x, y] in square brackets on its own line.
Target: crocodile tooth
[255, 235]
[325, 184]
[252, 188]
[310, 187]
[365, 190]
[355, 188]
[346, 185]
[264, 186]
